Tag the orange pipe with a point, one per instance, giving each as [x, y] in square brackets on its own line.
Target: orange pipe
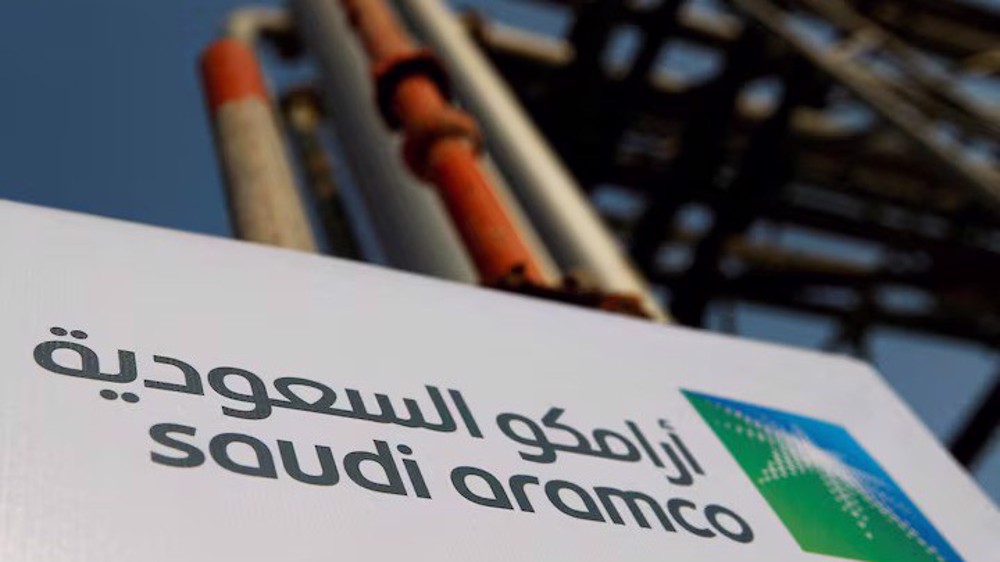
[263, 198]
[492, 239]
[441, 146]
[381, 35]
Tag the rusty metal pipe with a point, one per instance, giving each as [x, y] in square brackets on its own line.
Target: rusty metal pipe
[407, 225]
[566, 222]
[441, 144]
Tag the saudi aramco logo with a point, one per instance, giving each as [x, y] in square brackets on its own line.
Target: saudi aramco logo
[827, 490]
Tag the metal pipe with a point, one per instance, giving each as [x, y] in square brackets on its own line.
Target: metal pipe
[408, 220]
[248, 24]
[550, 270]
[565, 220]
[303, 116]
[441, 144]
[264, 200]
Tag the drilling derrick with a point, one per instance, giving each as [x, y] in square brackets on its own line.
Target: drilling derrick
[728, 142]
[833, 158]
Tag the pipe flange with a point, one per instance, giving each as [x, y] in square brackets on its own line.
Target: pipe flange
[421, 137]
[391, 72]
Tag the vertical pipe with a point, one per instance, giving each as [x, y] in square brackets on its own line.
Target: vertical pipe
[550, 270]
[409, 221]
[566, 222]
[263, 197]
[442, 144]
[303, 117]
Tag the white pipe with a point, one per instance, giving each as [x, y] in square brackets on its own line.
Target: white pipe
[264, 200]
[565, 220]
[247, 24]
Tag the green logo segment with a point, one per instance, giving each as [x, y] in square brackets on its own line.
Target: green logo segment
[829, 492]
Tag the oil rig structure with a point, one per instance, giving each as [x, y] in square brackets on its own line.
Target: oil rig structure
[658, 158]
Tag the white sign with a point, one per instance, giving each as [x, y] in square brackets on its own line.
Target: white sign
[167, 396]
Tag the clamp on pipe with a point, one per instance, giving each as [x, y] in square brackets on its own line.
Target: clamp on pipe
[391, 72]
[441, 143]
[423, 132]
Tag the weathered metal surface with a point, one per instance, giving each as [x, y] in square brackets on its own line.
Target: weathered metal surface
[263, 197]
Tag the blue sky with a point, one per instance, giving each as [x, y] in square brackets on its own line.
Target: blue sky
[101, 112]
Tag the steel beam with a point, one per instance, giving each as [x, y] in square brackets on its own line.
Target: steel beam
[972, 439]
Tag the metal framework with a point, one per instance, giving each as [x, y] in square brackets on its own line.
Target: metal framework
[851, 119]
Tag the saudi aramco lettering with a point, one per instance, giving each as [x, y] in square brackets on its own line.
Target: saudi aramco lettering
[385, 472]
[385, 468]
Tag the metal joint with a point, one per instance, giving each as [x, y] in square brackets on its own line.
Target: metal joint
[389, 74]
[422, 135]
